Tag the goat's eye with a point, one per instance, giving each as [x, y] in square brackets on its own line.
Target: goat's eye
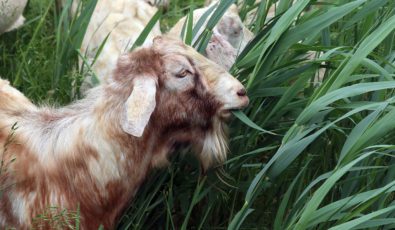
[183, 73]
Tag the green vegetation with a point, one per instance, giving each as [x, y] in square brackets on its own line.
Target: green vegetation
[319, 153]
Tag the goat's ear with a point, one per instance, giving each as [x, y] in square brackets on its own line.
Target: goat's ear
[139, 106]
[233, 8]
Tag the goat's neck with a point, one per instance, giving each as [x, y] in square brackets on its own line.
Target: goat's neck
[131, 156]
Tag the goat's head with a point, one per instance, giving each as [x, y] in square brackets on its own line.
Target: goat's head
[180, 94]
[231, 27]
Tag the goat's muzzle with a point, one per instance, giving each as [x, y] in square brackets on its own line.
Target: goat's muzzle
[232, 94]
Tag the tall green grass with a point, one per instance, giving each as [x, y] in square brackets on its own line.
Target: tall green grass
[308, 153]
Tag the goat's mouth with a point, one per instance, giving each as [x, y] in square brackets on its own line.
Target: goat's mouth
[226, 111]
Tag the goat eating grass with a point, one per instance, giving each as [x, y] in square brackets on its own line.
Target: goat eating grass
[93, 155]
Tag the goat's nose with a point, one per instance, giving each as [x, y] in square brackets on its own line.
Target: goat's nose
[242, 92]
[238, 30]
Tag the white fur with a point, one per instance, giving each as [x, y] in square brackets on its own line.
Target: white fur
[226, 90]
[11, 14]
[19, 207]
[122, 21]
[215, 145]
[140, 106]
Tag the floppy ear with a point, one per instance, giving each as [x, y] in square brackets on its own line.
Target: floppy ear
[139, 106]
[233, 8]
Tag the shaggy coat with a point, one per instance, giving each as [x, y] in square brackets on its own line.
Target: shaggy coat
[93, 155]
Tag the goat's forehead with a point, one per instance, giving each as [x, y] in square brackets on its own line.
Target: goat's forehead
[211, 71]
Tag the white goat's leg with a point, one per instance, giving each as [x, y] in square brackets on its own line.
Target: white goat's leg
[18, 23]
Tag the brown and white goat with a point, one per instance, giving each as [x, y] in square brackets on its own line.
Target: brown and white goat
[94, 154]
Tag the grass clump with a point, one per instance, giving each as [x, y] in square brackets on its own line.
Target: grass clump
[314, 150]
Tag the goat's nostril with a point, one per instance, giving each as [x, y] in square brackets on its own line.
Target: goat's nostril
[242, 92]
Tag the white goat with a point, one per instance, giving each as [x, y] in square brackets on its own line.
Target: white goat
[120, 22]
[230, 36]
[11, 14]
[224, 27]
[95, 153]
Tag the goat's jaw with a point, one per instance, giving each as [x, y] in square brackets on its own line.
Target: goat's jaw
[226, 114]
[215, 145]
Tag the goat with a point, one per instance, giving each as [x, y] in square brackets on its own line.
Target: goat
[11, 14]
[118, 24]
[95, 153]
[217, 48]
[230, 36]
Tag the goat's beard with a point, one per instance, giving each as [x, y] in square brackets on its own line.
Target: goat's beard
[215, 145]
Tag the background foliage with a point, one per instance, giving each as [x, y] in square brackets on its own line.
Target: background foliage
[320, 152]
